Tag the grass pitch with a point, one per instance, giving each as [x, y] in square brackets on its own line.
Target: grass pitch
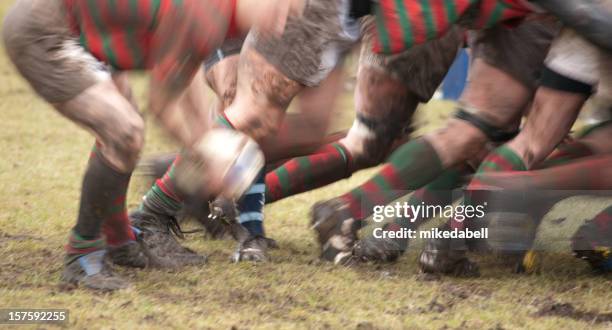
[43, 158]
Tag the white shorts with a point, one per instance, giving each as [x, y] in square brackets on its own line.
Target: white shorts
[576, 58]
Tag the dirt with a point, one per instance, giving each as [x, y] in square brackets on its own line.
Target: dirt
[558, 309]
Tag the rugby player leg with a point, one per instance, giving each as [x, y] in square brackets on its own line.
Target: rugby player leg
[387, 93]
[77, 85]
[491, 107]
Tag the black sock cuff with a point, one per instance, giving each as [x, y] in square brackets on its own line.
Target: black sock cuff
[493, 133]
[554, 80]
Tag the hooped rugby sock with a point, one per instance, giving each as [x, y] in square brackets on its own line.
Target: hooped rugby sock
[326, 165]
[252, 203]
[410, 167]
[78, 246]
[251, 207]
[499, 160]
[116, 227]
[116, 224]
[103, 201]
[566, 153]
[438, 192]
[163, 197]
[590, 173]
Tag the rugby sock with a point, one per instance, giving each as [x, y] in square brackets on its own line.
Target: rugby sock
[102, 204]
[163, 197]
[78, 246]
[592, 173]
[102, 200]
[410, 167]
[437, 192]
[565, 153]
[251, 207]
[116, 226]
[252, 203]
[500, 159]
[326, 165]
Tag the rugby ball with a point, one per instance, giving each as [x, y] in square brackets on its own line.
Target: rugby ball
[224, 163]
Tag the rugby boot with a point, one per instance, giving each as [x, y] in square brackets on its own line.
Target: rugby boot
[592, 245]
[447, 256]
[159, 236]
[254, 248]
[224, 212]
[336, 230]
[92, 272]
[131, 254]
[383, 249]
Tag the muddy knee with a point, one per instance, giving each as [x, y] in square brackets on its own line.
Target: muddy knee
[132, 139]
[384, 109]
[262, 96]
[369, 141]
[222, 79]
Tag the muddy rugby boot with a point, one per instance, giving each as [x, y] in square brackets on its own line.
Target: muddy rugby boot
[447, 256]
[592, 245]
[254, 248]
[154, 168]
[158, 234]
[336, 230]
[92, 272]
[382, 249]
[130, 254]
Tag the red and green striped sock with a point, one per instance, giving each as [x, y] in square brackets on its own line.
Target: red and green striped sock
[78, 246]
[589, 173]
[410, 167]
[566, 153]
[438, 192]
[116, 226]
[499, 160]
[326, 165]
[163, 197]
[102, 205]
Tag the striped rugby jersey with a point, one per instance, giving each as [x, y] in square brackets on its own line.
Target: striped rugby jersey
[401, 24]
[169, 37]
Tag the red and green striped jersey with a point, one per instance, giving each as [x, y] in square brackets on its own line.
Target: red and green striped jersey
[401, 24]
[166, 36]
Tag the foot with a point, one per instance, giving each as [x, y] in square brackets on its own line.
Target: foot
[383, 249]
[224, 212]
[445, 256]
[159, 234]
[130, 254]
[254, 248]
[593, 246]
[92, 272]
[336, 230]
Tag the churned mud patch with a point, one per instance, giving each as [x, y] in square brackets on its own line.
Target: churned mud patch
[553, 308]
